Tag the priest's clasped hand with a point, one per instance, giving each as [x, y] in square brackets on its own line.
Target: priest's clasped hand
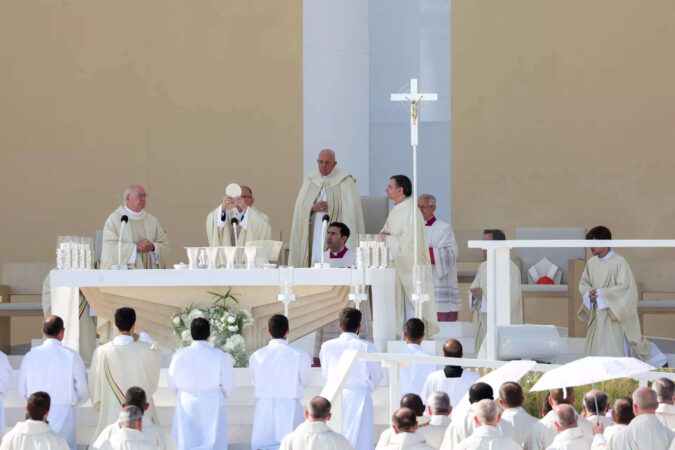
[320, 207]
[593, 295]
[144, 246]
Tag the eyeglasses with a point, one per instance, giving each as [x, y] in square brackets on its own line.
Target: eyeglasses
[246, 196]
[138, 195]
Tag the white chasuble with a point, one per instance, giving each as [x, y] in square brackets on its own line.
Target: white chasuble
[487, 437]
[544, 431]
[572, 439]
[33, 435]
[357, 403]
[344, 205]
[443, 246]
[254, 225]
[128, 439]
[478, 306]
[315, 436]
[279, 374]
[400, 241]
[616, 317]
[117, 366]
[5, 386]
[201, 377]
[60, 372]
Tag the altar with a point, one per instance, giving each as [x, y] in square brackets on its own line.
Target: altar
[157, 295]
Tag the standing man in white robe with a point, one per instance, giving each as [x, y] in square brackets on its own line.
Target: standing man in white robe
[279, 374]
[314, 433]
[201, 377]
[253, 224]
[443, 253]
[5, 386]
[511, 400]
[120, 364]
[130, 435]
[665, 392]
[400, 236]
[357, 403]
[645, 431]
[478, 297]
[453, 380]
[412, 378]
[610, 306]
[59, 371]
[486, 434]
[570, 436]
[327, 190]
[144, 243]
[34, 432]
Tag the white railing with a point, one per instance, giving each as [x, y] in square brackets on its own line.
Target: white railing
[498, 274]
[395, 361]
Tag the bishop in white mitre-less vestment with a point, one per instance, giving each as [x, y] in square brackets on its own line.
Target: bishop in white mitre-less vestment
[33, 435]
[279, 374]
[400, 237]
[357, 406]
[115, 367]
[5, 386]
[201, 377]
[327, 191]
[253, 224]
[59, 371]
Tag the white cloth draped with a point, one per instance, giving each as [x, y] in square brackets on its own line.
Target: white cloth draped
[5, 384]
[544, 431]
[407, 441]
[666, 415]
[434, 431]
[455, 387]
[59, 371]
[315, 436]
[521, 422]
[441, 241]
[645, 432]
[572, 439]
[33, 435]
[413, 378]
[201, 377]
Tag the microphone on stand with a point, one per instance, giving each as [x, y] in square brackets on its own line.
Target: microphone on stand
[234, 223]
[119, 265]
[324, 225]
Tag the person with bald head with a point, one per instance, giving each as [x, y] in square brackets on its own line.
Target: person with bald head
[326, 191]
[544, 431]
[645, 431]
[59, 371]
[314, 433]
[665, 392]
[414, 403]
[595, 407]
[570, 436]
[486, 434]
[405, 425]
[252, 224]
[452, 379]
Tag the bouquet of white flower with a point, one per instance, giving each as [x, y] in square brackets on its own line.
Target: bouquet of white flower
[227, 324]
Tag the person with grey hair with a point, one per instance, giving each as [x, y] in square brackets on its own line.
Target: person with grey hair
[252, 224]
[595, 407]
[665, 393]
[645, 431]
[443, 253]
[314, 433]
[570, 436]
[130, 435]
[487, 435]
[439, 409]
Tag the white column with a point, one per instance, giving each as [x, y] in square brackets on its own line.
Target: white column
[383, 285]
[491, 333]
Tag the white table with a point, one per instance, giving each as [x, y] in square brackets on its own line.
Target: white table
[65, 287]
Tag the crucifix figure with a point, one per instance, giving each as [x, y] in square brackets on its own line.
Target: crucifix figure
[414, 98]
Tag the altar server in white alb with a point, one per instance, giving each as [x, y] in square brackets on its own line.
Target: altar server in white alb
[130, 435]
[253, 224]
[279, 374]
[34, 433]
[443, 253]
[400, 235]
[58, 371]
[610, 306]
[314, 433]
[478, 297]
[120, 364]
[330, 191]
[201, 377]
[5, 386]
[135, 396]
[412, 378]
[357, 403]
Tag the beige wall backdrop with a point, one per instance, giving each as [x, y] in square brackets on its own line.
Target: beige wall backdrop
[181, 96]
[562, 115]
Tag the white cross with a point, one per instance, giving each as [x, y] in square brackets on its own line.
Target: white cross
[413, 98]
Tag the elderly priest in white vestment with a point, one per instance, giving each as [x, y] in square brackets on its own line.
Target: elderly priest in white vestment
[330, 191]
[544, 431]
[120, 364]
[201, 377]
[279, 374]
[130, 435]
[59, 371]
[478, 297]
[511, 400]
[665, 391]
[252, 224]
[357, 403]
[314, 433]
[439, 409]
[34, 433]
[135, 396]
[5, 386]
[400, 236]
[487, 435]
[443, 253]
[570, 436]
[610, 306]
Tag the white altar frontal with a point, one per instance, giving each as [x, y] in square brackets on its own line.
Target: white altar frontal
[157, 295]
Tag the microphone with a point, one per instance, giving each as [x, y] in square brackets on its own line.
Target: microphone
[324, 225]
[119, 265]
[234, 223]
[325, 218]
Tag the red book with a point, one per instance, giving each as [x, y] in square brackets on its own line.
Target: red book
[431, 254]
